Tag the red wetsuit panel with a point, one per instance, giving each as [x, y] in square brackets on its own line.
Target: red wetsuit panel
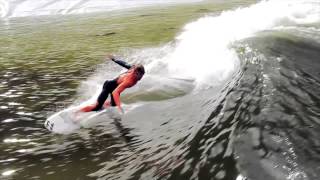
[88, 108]
[125, 80]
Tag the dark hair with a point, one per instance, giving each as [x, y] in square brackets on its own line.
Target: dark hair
[139, 68]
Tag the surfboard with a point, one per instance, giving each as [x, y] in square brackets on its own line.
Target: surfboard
[67, 121]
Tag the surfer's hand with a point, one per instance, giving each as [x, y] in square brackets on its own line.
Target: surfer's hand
[121, 110]
[110, 57]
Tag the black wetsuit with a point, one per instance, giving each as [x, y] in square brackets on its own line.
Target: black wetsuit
[109, 86]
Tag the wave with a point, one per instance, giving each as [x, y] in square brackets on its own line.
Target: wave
[247, 71]
[235, 95]
[277, 102]
[203, 51]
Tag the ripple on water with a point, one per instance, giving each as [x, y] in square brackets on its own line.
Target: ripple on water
[8, 172]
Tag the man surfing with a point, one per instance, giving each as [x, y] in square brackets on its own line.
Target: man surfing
[116, 86]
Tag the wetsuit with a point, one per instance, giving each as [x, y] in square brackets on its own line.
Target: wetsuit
[114, 88]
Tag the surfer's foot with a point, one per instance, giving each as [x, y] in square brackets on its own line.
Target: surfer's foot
[76, 116]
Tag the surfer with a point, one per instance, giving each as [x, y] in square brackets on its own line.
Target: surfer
[116, 86]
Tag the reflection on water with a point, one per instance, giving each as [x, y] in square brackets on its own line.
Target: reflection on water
[15, 140]
[8, 173]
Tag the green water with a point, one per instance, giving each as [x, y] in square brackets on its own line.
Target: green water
[83, 40]
[44, 59]
[58, 52]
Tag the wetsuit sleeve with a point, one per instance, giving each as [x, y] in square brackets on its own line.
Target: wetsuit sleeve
[122, 63]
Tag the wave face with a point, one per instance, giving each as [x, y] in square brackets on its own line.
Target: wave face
[235, 96]
[252, 110]
[21, 8]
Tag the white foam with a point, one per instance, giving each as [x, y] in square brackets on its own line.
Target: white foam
[203, 51]
[4, 8]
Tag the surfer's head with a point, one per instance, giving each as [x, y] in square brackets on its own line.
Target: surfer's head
[139, 71]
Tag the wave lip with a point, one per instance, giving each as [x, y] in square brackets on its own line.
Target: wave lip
[203, 50]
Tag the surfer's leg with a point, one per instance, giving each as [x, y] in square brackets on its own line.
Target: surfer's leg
[96, 107]
[102, 98]
[108, 87]
[109, 103]
[112, 85]
[88, 108]
[112, 101]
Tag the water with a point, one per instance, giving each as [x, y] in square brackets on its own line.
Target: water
[230, 95]
[22, 8]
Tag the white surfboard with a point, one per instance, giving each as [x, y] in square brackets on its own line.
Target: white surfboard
[66, 121]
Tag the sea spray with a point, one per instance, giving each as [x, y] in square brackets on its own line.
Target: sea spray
[202, 52]
[204, 49]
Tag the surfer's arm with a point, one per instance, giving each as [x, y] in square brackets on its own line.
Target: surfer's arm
[121, 63]
[116, 94]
